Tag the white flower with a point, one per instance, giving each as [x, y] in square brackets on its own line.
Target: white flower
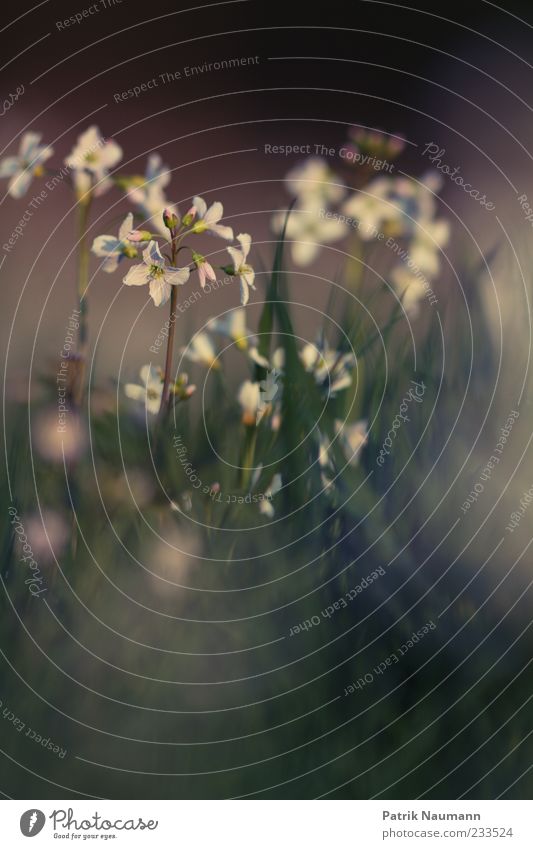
[90, 160]
[27, 164]
[241, 269]
[325, 463]
[331, 368]
[313, 181]
[352, 439]
[149, 196]
[159, 276]
[233, 325]
[393, 205]
[208, 219]
[205, 269]
[411, 288]
[249, 397]
[201, 350]
[265, 505]
[115, 249]
[429, 237]
[309, 229]
[151, 390]
[277, 360]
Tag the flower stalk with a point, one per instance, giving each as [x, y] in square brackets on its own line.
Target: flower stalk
[82, 286]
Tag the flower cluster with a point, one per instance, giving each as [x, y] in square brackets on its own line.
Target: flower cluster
[387, 209]
[89, 169]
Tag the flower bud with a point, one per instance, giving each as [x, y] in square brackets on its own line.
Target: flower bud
[170, 219]
[189, 217]
[139, 236]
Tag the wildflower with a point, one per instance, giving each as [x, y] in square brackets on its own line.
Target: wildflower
[314, 182]
[268, 390]
[159, 276]
[411, 287]
[233, 325]
[147, 193]
[116, 249]
[265, 505]
[240, 268]
[205, 269]
[309, 229]
[325, 463]
[181, 388]
[90, 161]
[201, 350]
[331, 368]
[429, 237]
[207, 219]
[352, 439]
[26, 165]
[249, 397]
[150, 391]
[393, 205]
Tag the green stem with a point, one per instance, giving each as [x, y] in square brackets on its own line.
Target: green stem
[247, 464]
[83, 285]
[165, 395]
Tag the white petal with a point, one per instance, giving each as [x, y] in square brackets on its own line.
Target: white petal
[150, 376]
[9, 166]
[111, 263]
[331, 230]
[28, 144]
[221, 231]
[200, 206]
[254, 355]
[245, 240]
[237, 257]
[153, 405]
[159, 290]
[134, 391]
[125, 227]
[245, 294]
[214, 213]
[111, 154]
[19, 183]
[105, 245]
[236, 324]
[176, 276]
[202, 349]
[249, 277]
[304, 253]
[276, 485]
[249, 397]
[156, 171]
[136, 276]
[152, 255]
[266, 508]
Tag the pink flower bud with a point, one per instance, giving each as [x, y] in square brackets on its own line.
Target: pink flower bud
[139, 236]
[170, 219]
